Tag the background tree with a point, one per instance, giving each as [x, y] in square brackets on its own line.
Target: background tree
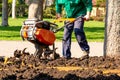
[4, 12]
[112, 29]
[35, 9]
[13, 9]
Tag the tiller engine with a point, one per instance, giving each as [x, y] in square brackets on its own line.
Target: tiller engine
[40, 33]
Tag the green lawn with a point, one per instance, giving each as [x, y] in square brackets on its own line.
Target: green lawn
[94, 30]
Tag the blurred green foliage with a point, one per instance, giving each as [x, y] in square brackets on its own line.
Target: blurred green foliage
[101, 3]
[49, 12]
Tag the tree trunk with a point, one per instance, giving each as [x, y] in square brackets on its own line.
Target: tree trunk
[13, 9]
[44, 4]
[4, 13]
[36, 9]
[112, 32]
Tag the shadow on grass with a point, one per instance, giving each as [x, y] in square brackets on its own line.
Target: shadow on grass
[94, 29]
[10, 28]
[87, 29]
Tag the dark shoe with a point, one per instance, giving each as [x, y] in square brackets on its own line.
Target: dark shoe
[66, 57]
[85, 55]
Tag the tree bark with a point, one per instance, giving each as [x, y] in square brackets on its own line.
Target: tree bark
[36, 9]
[44, 4]
[112, 32]
[4, 13]
[13, 9]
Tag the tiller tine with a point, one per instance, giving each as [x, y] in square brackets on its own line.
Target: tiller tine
[39, 50]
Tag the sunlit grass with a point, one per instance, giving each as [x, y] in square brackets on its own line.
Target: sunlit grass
[94, 30]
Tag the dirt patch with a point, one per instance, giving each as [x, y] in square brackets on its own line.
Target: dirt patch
[28, 67]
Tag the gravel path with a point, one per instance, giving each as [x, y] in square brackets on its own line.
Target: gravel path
[7, 48]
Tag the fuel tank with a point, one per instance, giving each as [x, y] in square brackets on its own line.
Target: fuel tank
[45, 36]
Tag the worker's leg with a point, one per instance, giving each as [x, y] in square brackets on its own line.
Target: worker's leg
[67, 41]
[80, 35]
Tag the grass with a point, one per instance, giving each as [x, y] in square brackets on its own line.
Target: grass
[11, 32]
[94, 30]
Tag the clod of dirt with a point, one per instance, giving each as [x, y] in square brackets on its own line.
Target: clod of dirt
[19, 53]
[1, 58]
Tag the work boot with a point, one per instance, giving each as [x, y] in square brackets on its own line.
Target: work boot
[66, 58]
[85, 55]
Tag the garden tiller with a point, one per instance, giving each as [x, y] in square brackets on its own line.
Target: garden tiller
[41, 33]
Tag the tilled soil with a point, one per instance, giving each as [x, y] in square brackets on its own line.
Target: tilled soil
[28, 67]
